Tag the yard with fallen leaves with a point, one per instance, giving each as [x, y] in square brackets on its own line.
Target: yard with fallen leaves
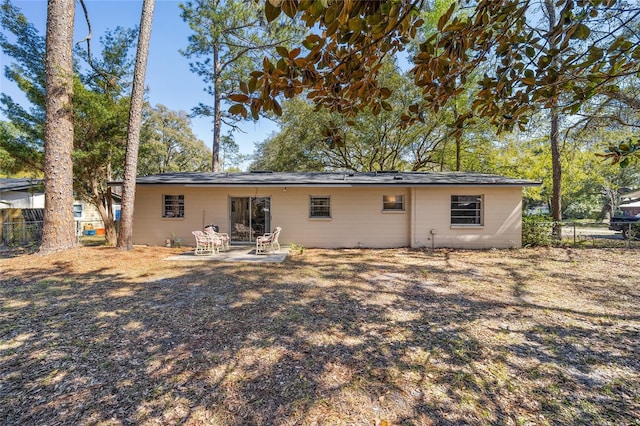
[99, 336]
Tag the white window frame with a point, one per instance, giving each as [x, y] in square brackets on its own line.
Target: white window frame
[176, 203]
[458, 203]
[75, 216]
[313, 207]
[396, 200]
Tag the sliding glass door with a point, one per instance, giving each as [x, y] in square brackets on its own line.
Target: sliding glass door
[250, 218]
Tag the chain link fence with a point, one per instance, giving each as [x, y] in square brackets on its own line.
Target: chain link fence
[20, 234]
[580, 234]
[28, 234]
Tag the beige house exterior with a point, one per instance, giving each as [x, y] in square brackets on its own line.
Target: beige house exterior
[334, 210]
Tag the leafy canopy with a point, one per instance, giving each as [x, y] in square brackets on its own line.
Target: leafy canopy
[592, 44]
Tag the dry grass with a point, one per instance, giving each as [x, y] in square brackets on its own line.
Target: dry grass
[353, 337]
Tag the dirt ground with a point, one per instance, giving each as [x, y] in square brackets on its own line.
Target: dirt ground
[100, 336]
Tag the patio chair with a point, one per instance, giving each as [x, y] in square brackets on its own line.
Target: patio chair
[205, 244]
[244, 232]
[268, 242]
[222, 237]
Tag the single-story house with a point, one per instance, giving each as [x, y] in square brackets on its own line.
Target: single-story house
[26, 193]
[21, 193]
[334, 210]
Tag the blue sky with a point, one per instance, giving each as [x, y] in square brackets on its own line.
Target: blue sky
[168, 77]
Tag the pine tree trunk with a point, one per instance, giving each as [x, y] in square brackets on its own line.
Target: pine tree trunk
[217, 114]
[125, 236]
[59, 227]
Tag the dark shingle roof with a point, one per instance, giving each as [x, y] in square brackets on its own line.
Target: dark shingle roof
[11, 184]
[332, 179]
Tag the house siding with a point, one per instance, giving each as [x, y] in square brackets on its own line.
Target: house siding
[357, 216]
[357, 219]
[21, 200]
[502, 218]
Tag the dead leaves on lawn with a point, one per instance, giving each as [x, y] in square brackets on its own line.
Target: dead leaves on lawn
[100, 336]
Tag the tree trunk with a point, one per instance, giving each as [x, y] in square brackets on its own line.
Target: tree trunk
[458, 145]
[110, 224]
[217, 114]
[58, 231]
[556, 168]
[458, 136]
[125, 237]
[106, 215]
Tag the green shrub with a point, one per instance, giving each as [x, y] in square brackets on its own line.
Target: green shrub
[537, 231]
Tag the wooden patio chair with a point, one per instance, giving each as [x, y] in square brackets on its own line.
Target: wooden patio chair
[268, 242]
[221, 237]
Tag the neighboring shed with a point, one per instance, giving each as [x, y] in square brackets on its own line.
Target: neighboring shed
[23, 193]
[26, 194]
[333, 210]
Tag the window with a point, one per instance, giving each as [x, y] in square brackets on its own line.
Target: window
[319, 206]
[77, 211]
[466, 209]
[173, 206]
[393, 202]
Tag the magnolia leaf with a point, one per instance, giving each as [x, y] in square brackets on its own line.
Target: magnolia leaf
[456, 26]
[239, 97]
[282, 51]
[271, 12]
[256, 104]
[332, 28]
[290, 8]
[332, 12]
[305, 4]
[582, 32]
[595, 54]
[277, 109]
[385, 92]
[355, 24]
[529, 81]
[294, 53]
[238, 109]
[267, 65]
[253, 83]
[445, 17]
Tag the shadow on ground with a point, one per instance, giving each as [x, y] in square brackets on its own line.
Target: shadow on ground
[329, 337]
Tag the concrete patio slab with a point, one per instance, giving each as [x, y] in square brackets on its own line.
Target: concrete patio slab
[235, 254]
